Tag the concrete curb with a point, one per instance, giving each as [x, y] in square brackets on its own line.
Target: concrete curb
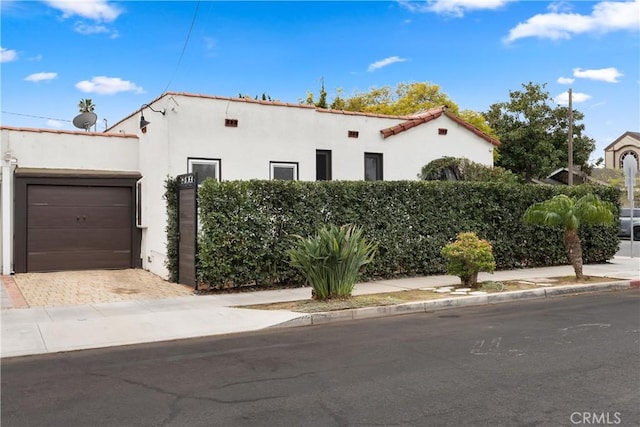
[325, 317]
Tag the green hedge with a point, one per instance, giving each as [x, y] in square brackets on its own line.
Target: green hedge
[171, 198]
[247, 226]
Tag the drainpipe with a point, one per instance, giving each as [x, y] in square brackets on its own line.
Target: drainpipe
[6, 219]
[7, 212]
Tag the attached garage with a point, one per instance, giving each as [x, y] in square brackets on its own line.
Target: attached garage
[75, 220]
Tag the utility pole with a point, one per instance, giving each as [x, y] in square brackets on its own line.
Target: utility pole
[570, 140]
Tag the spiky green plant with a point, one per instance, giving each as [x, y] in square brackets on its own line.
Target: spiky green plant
[568, 214]
[331, 260]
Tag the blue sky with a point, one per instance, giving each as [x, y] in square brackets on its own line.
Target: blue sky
[124, 54]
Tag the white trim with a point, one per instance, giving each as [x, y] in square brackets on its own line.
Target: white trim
[204, 161]
[283, 165]
[7, 211]
[140, 206]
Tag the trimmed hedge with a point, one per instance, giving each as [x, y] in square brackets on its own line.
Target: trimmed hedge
[247, 226]
[171, 199]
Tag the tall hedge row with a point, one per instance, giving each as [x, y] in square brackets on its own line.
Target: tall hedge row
[246, 226]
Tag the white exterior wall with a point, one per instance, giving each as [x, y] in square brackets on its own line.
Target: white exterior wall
[70, 150]
[37, 148]
[194, 127]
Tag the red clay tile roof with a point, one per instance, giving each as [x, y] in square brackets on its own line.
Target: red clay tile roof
[433, 114]
[410, 120]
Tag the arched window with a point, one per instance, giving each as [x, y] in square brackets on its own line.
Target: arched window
[625, 154]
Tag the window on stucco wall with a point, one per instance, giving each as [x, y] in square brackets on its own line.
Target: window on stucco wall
[204, 168]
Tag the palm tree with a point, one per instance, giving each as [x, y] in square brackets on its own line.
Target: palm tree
[86, 106]
[568, 213]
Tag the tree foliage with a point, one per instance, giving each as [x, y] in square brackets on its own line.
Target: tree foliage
[568, 214]
[461, 169]
[533, 133]
[86, 105]
[405, 99]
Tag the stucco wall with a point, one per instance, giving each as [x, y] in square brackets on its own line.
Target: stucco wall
[195, 127]
[616, 150]
[34, 148]
[50, 149]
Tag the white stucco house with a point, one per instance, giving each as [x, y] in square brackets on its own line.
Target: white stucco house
[79, 200]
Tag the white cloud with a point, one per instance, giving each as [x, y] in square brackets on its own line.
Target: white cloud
[7, 55]
[55, 124]
[36, 58]
[609, 75]
[39, 77]
[565, 80]
[455, 8]
[87, 29]
[560, 6]
[383, 63]
[97, 10]
[82, 28]
[605, 17]
[576, 98]
[108, 86]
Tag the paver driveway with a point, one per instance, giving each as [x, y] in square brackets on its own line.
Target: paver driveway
[94, 286]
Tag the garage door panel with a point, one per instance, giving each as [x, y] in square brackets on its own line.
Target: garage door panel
[85, 217]
[78, 227]
[79, 260]
[66, 195]
[88, 240]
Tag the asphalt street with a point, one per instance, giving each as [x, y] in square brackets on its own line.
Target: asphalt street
[541, 362]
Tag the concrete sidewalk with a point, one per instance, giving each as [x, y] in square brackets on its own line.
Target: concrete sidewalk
[39, 330]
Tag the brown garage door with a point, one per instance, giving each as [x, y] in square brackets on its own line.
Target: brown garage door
[78, 227]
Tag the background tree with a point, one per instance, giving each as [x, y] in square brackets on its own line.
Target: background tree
[403, 100]
[568, 214]
[460, 169]
[533, 133]
[86, 106]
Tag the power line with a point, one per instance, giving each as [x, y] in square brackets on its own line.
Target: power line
[35, 117]
[184, 47]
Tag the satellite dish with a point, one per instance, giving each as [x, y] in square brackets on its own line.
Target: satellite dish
[85, 120]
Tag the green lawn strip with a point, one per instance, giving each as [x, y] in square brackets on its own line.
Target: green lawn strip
[400, 297]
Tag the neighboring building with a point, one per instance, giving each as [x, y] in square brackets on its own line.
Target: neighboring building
[628, 144]
[95, 200]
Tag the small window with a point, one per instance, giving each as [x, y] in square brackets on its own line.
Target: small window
[204, 168]
[372, 166]
[353, 134]
[287, 171]
[231, 123]
[323, 165]
[442, 131]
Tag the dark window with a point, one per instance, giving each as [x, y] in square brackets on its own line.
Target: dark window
[442, 131]
[287, 171]
[204, 168]
[231, 123]
[323, 165]
[353, 134]
[373, 166]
